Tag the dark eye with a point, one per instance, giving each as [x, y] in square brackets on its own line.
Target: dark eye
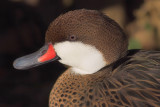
[72, 37]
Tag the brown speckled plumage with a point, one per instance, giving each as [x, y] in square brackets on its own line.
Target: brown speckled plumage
[134, 83]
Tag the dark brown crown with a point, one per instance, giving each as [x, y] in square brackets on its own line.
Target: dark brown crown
[93, 28]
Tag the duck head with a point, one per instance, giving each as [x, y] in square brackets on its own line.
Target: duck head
[85, 40]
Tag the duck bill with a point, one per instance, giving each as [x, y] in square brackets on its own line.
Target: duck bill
[44, 55]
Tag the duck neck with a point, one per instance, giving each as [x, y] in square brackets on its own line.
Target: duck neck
[104, 72]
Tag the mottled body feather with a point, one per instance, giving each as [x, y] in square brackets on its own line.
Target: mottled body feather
[133, 81]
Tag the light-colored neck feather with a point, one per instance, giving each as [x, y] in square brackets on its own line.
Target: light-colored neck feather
[83, 58]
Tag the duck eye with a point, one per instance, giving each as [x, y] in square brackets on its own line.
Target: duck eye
[72, 37]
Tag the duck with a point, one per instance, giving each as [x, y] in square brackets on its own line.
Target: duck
[101, 72]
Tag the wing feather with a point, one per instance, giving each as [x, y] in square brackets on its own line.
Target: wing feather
[136, 81]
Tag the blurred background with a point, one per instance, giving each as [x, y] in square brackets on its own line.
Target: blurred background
[23, 24]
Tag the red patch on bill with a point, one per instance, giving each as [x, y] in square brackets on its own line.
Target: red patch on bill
[50, 54]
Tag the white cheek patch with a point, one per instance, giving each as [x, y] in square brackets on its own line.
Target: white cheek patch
[83, 58]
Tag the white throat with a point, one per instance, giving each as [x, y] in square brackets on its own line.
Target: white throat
[83, 58]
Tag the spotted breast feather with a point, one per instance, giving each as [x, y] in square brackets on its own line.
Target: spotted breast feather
[133, 81]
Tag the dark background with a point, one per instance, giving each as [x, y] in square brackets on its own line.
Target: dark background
[22, 31]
